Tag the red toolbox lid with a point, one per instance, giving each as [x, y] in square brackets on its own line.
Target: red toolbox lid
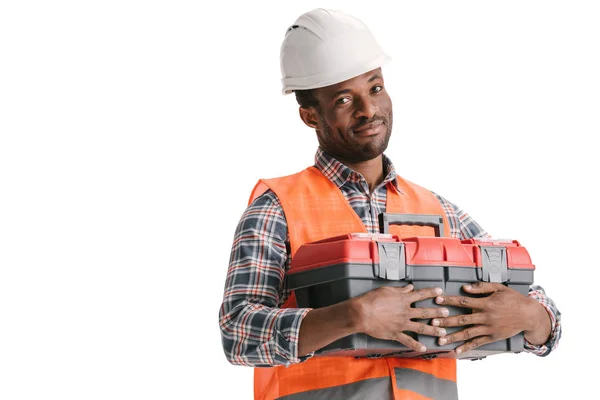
[517, 256]
[443, 251]
[361, 248]
[350, 248]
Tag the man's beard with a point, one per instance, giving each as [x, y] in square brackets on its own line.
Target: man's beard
[353, 150]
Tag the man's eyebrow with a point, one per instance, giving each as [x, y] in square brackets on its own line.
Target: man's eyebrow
[344, 91]
[339, 92]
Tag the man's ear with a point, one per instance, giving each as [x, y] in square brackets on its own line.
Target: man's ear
[309, 116]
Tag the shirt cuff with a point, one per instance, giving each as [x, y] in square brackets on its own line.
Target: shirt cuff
[287, 341]
[544, 349]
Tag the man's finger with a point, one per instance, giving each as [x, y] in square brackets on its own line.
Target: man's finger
[424, 329]
[405, 289]
[464, 335]
[472, 344]
[426, 293]
[410, 342]
[460, 301]
[425, 313]
[460, 320]
[483, 287]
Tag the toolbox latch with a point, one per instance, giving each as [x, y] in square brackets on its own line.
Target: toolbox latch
[494, 264]
[392, 262]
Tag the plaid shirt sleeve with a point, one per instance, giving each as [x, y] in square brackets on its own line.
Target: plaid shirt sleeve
[254, 330]
[462, 226]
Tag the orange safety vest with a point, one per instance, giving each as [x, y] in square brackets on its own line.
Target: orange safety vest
[316, 209]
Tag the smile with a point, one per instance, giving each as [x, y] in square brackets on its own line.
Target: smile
[372, 129]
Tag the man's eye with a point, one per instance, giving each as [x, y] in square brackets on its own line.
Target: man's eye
[377, 89]
[343, 100]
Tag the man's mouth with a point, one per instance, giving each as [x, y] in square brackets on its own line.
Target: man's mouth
[370, 129]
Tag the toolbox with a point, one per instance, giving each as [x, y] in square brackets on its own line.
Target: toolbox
[335, 269]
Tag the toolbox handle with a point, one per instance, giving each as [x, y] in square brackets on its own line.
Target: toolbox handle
[387, 219]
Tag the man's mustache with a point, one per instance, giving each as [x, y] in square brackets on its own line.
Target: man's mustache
[370, 121]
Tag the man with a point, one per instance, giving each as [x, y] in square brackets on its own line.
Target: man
[333, 64]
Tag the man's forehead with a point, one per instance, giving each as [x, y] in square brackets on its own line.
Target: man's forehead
[366, 77]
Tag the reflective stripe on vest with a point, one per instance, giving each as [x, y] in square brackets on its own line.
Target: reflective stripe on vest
[377, 388]
[412, 381]
[316, 209]
[425, 384]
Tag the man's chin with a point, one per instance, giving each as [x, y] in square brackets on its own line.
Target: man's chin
[368, 155]
[372, 150]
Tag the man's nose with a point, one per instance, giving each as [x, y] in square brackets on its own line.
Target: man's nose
[365, 107]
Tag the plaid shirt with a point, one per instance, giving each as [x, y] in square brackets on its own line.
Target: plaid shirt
[254, 330]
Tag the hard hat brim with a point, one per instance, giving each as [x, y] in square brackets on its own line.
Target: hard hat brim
[291, 84]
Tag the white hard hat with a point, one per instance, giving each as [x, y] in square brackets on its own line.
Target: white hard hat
[324, 47]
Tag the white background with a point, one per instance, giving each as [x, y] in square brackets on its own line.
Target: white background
[133, 132]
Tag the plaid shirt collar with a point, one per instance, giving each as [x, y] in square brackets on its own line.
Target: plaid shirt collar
[339, 174]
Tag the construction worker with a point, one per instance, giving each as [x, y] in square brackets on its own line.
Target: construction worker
[332, 63]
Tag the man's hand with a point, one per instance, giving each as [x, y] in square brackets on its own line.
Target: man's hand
[500, 315]
[386, 313]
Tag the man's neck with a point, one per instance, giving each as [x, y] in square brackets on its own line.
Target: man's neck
[371, 170]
